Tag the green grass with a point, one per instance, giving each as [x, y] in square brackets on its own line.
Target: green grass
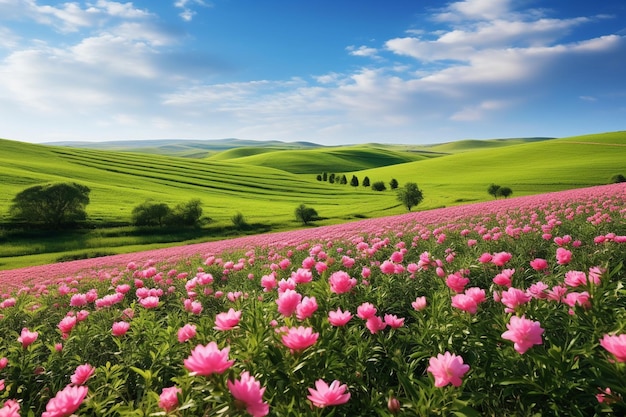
[248, 180]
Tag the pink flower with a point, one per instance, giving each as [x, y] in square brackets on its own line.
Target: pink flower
[187, 332]
[67, 324]
[340, 282]
[299, 338]
[524, 333]
[563, 256]
[11, 408]
[268, 282]
[556, 293]
[538, 264]
[393, 321]
[387, 267]
[249, 394]
[537, 290]
[501, 258]
[447, 369]
[168, 400]
[339, 318]
[419, 303]
[3, 362]
[616, 345]
[375, 324]
[365, 311]
[1, 389]
[512, 298]
[465, 302]
[207, 360]
[485, 258]
[149, 302]
[288, 302]
[66, 401]
[504, 278]
[306, 308]
[302, 276]
[456, 282]
[228, 320]
[82, 374]
[324, 395]
[27, 337]
[120, 328]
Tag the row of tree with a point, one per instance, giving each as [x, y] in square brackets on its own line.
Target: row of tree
[354, 181]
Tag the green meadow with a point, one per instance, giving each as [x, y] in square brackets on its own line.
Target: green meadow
[266, 183]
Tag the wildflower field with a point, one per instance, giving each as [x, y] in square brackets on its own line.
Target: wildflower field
[514, 307]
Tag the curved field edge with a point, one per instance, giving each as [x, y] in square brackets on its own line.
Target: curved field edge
[47, 274]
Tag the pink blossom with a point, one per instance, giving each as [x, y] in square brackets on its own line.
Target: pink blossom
[3, 362]
[11, 408]
[563, 256]
[82, 374]
[302, 276]
[375, 324]
[299, 338]
[325, 395]
[168, 400]
[339, 318]
[67, 324]
[575, 278]
[501, 258]
[228, 320]
[207, 360]
[387, 267]
[524, 333]
[595, 273]
[365, 311]
[120, 328]
[268, 282]
[340, 282]
[78, 300]
[306, 308]
[187, 332]
[512, 298]
[538, 264]
[615, 344]
[504, 278]
[419, 303]
[66, 401]
[27, 337]
[456, 282]
[537, 290]
[249, 394]
[485, 258]
[393, 321]
[447, 369]
[556, 293]
[465, 302]
[577, 298]
[288, 302]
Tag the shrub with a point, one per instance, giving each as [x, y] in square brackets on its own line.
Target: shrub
[305, 214]
[618, 178]
[239, 221]
[379, 186]
[151, 214]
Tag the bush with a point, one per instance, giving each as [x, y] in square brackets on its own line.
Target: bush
[305, 214]
[379, 186]
[239, 221]
[410, 195]
[151, 214]
[186, 214]
[618, 178]
[493, 190]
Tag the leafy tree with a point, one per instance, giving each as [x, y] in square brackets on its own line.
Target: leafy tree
[366, 182]
[379, 186]
[331, 178]
[305, 214]
[239, 221]
[354, 181]
[393, 183]
[493, 190]
[151, 214]
[505, 191]
[324, 176]
[343, 180]
[53, 205]
[319, 177]
[186, 214]
[410, 195]
[618, 178]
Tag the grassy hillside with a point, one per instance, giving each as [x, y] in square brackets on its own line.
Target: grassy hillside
[475, 144]
[326, 159]
[528, 168]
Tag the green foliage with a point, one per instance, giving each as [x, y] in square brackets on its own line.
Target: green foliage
[186, 214]
[354, 181]
[52, 205]
[493, 190]
[151, 214]
[366, 182]
[305, 214]
[240, 222]
[505, 192]
[618, 178]
[410, 195]
[393, 184]
[379, 186]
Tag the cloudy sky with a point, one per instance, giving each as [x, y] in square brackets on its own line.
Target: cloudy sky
[327, 71]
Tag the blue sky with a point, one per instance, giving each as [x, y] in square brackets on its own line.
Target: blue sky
[326, 71]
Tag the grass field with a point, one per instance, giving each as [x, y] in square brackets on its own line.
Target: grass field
[265, 184]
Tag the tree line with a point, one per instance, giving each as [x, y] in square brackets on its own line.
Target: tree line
[354, 181]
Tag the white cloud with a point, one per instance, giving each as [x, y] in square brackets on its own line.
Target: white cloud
[362, 51]
[8, 39]
[187, 14]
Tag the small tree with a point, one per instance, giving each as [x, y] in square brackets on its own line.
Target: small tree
[319, 177]
[354, 181]
[379, 186]
[410, 195]
[366, 182]
[186, 214]
[52, 205]
[324, 176]
[343, 180]
[505, 192]
[151, 214]
[393, 184]
[493, 190]
[617, 178]
[239, 221]
[305, 214]
[331, 178]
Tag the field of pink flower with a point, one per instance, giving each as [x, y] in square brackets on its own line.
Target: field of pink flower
[513, 307]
